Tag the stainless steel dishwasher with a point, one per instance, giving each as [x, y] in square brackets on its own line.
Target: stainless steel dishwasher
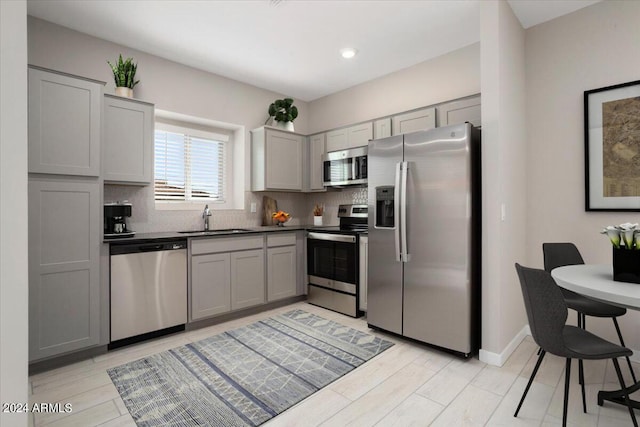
[148, 290]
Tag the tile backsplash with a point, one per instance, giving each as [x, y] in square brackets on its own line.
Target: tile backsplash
[146, 218]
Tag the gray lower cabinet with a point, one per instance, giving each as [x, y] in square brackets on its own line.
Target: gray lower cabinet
[64, 123]
[247, 279]
[128, 141]
[210, 285]
[226, 274]
[281, 266]
[64, 265]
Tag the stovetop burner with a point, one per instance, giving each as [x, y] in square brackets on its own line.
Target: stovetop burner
[353, 220]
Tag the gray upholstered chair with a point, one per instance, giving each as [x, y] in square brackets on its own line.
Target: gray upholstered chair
[547, 314]
[561, 254]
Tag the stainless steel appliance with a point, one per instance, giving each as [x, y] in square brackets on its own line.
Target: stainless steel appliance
[148, 290]
[345, 167]
[115, 223]
[333, 261]
[424, 237]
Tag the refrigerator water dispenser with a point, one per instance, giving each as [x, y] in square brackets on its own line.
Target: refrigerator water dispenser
[384, 207]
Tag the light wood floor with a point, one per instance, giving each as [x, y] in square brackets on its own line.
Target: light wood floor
[407, 385]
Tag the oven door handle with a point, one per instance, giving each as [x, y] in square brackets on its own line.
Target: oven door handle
[332, 237]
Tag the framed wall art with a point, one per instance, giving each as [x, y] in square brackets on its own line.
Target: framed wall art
[612, 148]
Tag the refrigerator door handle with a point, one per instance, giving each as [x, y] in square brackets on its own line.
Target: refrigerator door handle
[406, 257]
[396, 211]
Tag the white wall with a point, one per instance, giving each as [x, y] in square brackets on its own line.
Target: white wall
[592, 48]
[450, 76]
[503, 175]
[494, 68]
[13, 208]
[169, 85]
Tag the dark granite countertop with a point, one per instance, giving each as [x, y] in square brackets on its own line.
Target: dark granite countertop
[173, 235]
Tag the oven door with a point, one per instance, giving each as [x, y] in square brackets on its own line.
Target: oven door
[332, 261]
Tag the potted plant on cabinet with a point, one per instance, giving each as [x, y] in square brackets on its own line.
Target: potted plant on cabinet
[124, 73]
[284, 113]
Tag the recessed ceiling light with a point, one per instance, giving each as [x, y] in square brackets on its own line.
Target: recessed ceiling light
[348, 52]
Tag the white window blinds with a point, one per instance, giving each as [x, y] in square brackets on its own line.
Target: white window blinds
[189, 164]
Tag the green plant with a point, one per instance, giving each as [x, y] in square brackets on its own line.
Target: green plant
[283, 110]
[124, 72]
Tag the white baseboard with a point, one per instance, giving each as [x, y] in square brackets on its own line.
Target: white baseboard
[498, 359]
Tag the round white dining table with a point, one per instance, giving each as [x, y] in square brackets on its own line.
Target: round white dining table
[596, 281]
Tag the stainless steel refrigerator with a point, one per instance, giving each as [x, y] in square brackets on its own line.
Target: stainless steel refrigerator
[424, 236]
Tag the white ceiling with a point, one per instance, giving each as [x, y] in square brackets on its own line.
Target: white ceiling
[290, 46]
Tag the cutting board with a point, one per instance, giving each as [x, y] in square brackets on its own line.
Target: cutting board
[269, 206]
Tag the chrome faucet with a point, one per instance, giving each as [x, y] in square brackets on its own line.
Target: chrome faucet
[206, 214]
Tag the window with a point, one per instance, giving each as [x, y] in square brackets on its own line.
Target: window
[190, 165]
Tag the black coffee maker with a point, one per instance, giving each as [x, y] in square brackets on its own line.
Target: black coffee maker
[115, 224]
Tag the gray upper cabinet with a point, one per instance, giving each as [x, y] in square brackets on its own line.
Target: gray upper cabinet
[382, 128]
[316, 151]
[337, 140]
[350, 137]
[64, 124]
[64, 265]
[465, 110]
[359, 135]
[276, 160]
[423, 119]
[128, 141]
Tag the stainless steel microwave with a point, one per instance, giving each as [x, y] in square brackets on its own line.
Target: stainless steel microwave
[345, 167]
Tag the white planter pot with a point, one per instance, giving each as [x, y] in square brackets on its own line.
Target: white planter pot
[317, 220]
[288, 126]
[124, 91]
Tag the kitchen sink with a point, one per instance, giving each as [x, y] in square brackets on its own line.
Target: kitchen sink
[221, 231]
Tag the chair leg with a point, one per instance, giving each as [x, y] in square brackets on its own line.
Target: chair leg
[626, 396]
[579, 319]
[567, 376]
[581, 375]
[615, 323]
[533, 375]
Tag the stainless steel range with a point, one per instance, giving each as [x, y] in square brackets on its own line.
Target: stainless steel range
[333, 260]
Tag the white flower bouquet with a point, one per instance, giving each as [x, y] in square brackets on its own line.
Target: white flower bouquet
[625, 236]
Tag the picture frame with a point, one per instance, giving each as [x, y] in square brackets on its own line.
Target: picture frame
[612, 148]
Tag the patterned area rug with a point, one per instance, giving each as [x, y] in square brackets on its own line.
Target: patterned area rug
[245, 376]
